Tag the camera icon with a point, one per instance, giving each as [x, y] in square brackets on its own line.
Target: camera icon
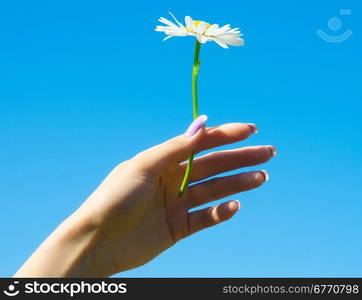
[11, 290]
[335, 24]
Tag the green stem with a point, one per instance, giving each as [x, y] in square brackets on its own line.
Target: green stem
[195, 72]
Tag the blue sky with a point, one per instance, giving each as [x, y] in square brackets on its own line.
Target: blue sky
[88, 84]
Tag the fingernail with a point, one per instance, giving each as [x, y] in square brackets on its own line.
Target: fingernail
[234, 204]
[253, 128]
[196, 125]
[272, 150]
[265, 174]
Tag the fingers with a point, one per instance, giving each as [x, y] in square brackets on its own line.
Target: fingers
[224, 161]
[203, 218]
[221, 187]
[225, 134]
[174, 150]
[195, 139]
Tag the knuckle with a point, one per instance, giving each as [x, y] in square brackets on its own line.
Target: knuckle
[236, 184]
[211, 189]
[178, 142]
[208, 219]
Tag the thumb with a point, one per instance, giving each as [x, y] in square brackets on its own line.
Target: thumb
[175, 150]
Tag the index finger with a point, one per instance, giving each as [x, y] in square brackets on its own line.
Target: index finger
[225, 134]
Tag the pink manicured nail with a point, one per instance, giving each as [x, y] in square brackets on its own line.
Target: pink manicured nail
[196, 125]
[238, 203]
[253, 128]
[265, 174]
[272, 149]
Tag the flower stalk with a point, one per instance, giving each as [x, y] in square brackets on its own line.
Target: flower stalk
[195, 109]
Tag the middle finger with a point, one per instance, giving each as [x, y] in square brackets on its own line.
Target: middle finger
[223, 161]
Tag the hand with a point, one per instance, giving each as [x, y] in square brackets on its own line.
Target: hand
[135, 214]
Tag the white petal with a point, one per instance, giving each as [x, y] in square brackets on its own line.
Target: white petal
[204, 39]
[178, 23]
[165, 21]
[212, 29]
[237, 42]
[201, 28]
[230, 39]
[220, 43]
[167, 37]
[189, 23]
[223, 29]
[235, 30]
[227, 35]
[199, 37]
[176, 32]
[162, 28]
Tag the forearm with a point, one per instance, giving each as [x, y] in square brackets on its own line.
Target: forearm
[67, 252]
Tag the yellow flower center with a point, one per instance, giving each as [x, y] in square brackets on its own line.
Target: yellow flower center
[196, 23]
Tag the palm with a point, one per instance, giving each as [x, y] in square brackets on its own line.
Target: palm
[163, 220]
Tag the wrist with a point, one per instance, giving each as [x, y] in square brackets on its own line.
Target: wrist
[76, 240]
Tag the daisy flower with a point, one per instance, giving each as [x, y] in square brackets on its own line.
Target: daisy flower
[203, 31]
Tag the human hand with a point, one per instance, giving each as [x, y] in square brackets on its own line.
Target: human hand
[135, 214]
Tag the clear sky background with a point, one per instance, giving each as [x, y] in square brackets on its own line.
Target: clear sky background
[85, 85]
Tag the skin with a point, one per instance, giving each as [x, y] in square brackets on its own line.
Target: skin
[135, 213]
